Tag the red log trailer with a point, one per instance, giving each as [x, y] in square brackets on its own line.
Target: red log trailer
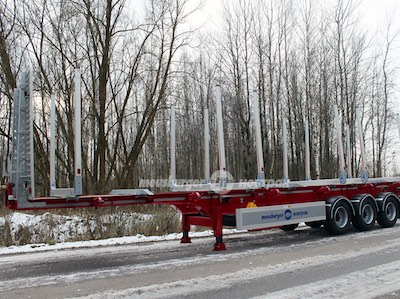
[335, 206]
[333, 203]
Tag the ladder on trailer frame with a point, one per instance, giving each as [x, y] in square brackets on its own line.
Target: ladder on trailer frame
[22, 170]
[22, 157]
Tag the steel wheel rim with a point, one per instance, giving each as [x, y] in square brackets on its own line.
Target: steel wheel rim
[341, 217]
[367, 214]
[390, 211]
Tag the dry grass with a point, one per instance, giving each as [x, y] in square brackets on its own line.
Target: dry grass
[93, 224]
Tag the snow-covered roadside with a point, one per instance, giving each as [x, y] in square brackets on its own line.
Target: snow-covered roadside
[61, 228]
[106, 242]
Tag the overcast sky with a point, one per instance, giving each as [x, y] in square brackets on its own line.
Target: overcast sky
[374, 17]
[373, 12]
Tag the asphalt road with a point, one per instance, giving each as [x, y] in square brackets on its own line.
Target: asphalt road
[306, 263]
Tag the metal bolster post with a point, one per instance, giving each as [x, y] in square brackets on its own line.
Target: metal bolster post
[78, 134]
[285, 153]
[4, 172]
[348, 152]
[364, 172]
[172, 167]
[223, 177]
[32, 140]
[9, 168]
[206, 148]
[342, 172]
[15, 142]
[53, 185]
[259, 149]
[54, 191]
[398, 123]
[307, 150]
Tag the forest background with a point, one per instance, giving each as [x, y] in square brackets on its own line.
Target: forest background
[137, 58]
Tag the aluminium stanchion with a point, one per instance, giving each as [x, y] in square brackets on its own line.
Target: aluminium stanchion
[342, 171]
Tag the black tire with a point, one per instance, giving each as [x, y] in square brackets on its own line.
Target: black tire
[366, 215]
[338, 218]
[289, 228]
[387, 216]
[315, 224]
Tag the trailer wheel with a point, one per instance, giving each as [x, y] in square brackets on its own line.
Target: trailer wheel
[289, 228]
[387, 216]
[365, 217]
[338, 218]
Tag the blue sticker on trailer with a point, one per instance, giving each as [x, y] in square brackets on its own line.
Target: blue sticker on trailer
[288, 214]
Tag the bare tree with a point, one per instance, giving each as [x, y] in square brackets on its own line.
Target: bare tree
[300, 57]
[381, 115]
[9, 64]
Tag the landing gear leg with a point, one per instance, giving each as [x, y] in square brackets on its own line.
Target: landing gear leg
[185, 230]
[219, 244]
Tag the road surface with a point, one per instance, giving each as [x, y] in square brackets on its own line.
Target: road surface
[306, 263]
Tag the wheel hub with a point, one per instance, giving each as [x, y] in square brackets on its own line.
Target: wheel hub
[367, 214]
[341, 217]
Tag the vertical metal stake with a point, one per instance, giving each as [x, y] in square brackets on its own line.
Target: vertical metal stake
[78, 134]
[32, 193]
[342, 172]
[53, 143]
[398, 123]
[364, 172]
[206, 148]
[260, 158]
[4, 173]
[9, 167]
[172, 168]
[285, 153]
[221, 144]
[348, 153]
[307, 150]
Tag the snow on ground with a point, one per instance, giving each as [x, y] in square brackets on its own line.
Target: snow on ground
[106, 242]
[65, 227]
[342, 286]
[353, 285]
[59, 227]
